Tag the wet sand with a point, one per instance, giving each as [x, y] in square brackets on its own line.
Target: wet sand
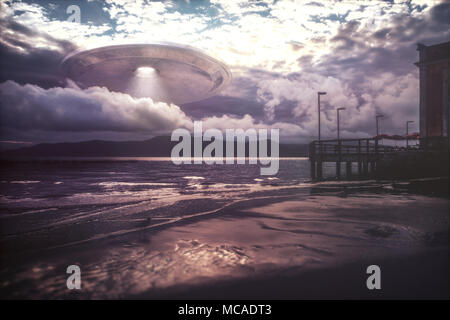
[306, 250]
[423, 275]
[286, 243]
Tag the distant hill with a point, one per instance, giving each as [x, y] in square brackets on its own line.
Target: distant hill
[154, 147]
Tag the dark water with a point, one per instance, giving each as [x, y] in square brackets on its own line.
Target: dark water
[140, 225]
[38, 196]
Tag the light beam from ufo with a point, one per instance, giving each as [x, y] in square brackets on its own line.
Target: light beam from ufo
[162, 71]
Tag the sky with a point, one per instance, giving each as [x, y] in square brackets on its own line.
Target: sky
[280, 53]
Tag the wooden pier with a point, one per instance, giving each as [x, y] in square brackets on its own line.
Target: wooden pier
[366, 153]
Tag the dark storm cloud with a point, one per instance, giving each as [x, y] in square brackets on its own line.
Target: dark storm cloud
[283, 112]
[219, 105]
[359, 54]
[382, 33]
[361, 51]
[441, 13]
[95, 109]
[24, 63]
[228, 104]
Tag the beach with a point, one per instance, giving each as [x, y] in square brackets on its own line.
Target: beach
[153, 230]
[416, 267]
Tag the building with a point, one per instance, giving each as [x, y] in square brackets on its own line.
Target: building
[434, 66]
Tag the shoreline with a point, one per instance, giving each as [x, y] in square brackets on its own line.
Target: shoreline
[309, 244]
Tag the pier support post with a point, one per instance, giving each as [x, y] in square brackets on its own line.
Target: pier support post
[338, 169]
[319, 170]
[313, 170]
[359, 159]
[372, 167]
[366, 167]
[348, 167]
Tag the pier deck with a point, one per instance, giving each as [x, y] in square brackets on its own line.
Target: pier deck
[367, 153]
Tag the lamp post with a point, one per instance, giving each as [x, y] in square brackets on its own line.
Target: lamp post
[337, 110]
[376, 119]
[318, 107]
[407, 132]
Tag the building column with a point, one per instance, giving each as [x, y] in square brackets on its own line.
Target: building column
[446, 105]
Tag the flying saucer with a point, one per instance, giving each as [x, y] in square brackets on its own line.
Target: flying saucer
[164, 72]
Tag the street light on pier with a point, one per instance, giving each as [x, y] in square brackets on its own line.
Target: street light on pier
[376, 119]
[318, 107]
[337, 110]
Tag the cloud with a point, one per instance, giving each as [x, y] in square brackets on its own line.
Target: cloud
[30, 107]
[30, 56]
[287, 130]
[68, 111]
[280, 53]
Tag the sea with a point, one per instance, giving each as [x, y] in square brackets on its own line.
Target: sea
[146, 226]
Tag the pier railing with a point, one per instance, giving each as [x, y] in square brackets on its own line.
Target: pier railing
[365, 152]
[429, 157]
[362, 147]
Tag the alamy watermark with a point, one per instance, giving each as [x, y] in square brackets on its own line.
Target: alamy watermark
[74, 280]
[75, 13]
[213, 153]
[374, 280]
